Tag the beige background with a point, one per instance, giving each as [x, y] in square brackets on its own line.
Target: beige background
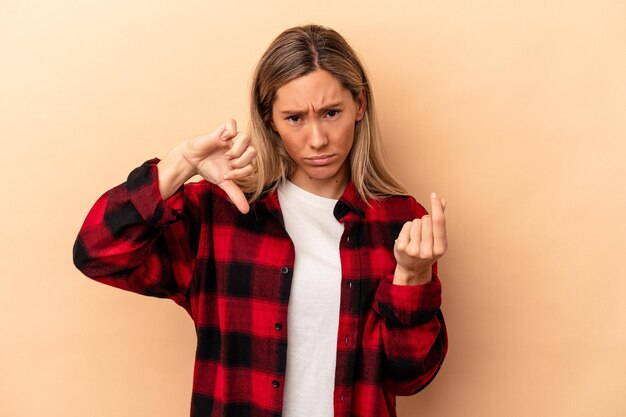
[514, 111]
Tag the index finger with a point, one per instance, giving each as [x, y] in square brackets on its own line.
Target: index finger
[230, 129]
[437, 207]
[238, 145]
[439, 225]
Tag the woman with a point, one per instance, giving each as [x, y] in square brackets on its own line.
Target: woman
[299, 217]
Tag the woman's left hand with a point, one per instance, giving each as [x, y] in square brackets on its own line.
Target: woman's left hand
[419, 245]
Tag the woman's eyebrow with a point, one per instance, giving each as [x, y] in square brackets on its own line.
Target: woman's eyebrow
[321, 110]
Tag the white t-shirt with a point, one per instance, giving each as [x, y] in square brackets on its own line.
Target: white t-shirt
[313, 318]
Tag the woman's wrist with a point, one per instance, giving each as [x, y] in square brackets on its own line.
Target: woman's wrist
[174, 170]
[404, 277]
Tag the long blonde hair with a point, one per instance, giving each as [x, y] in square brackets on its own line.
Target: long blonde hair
[294, 53]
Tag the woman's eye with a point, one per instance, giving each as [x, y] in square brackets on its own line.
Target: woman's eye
[332, 113]
[294, 119]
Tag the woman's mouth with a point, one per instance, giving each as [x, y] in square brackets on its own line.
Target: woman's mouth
[319, 159]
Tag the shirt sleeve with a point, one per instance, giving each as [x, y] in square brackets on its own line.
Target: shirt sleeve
[134, 240]
[413, 331]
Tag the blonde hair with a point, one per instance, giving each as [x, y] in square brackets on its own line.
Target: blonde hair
[294, 53]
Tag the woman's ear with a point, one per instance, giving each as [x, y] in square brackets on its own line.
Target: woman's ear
[361, 103]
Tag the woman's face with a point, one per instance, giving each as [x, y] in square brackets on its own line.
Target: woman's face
[315, 117]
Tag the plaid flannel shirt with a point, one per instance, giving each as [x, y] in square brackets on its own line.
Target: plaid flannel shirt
[232, 273]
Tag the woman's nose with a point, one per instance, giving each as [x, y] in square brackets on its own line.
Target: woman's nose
[317, 136]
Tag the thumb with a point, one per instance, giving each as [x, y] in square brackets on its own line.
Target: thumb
[236, 195]
[404, 236]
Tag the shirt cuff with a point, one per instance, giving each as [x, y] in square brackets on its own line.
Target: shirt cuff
[143, 188]
[408, 305]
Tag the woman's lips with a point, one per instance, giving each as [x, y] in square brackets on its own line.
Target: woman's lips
[319, 159]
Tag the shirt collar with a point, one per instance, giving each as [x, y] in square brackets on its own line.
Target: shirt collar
[350, 201]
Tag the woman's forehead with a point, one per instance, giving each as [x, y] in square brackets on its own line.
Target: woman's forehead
[317, 89]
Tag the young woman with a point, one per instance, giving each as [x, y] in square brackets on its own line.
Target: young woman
[309, 273]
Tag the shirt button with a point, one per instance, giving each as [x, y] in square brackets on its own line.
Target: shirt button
[284, 270]
[350, 284]
[275, 383]
[278, 326]
[346, 340]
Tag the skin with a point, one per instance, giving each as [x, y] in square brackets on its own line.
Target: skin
[315, 117]
[220, 156]
[420, 244]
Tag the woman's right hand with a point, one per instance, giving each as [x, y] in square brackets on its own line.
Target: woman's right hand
[219, 157]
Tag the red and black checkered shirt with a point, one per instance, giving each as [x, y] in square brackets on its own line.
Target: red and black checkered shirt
[232, 273]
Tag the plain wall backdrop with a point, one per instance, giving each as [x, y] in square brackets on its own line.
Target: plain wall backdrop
[514, 111]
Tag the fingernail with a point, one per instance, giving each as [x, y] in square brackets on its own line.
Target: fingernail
[226, 176]
[433, 195]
